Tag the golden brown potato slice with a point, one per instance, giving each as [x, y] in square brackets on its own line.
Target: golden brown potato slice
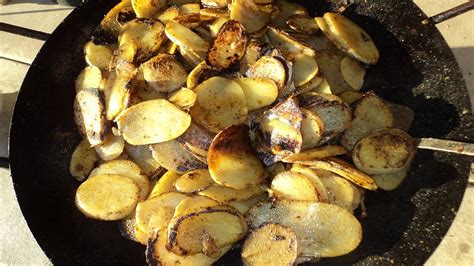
[129, 230]
[147, 33]
[141, 155]
[215, 3]
[353, 72]
[185, 38]
[116, 90]
[220, 103]
[384, 151]
[194, 76]
[97, 55]
[243, 206]
[249, 14]
[305, 69]
[213, 13]
[280, 39]
[312, 128]
[292, 185]
[109, 28]
[174, 157]
[197, 140]
[167, 14]
[165, 184]
[303, 24]
[270, 244]
[189, 20]
[316, 153]
[189, 8]
[340, 191]
[152, 121]
[183, 98]
[270, 67]
[330, 66]
[164, 73]
[89, 115]
[83, 160]
[107, 197]
[349, 97]
[287, 9]
[232, 161]
[259, 92]
[322, 230]
[228, 46]
[317, 183]
[147, 8]
[90, 77]
[226, 194]
[111, 148]
[194, 181]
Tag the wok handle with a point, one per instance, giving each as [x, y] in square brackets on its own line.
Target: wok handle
[451, 13]
[39, 35]
[446, 146]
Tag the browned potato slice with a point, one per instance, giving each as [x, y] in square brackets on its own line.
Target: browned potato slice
[226, 194]
[312, 128]
[316, 153]
[147, 34]
[174, 157]
[83, 160]
[168, 14]
[269, 67]
[352, 72]
[385, 151]
[194, 76]
[243, 206]
[330, 66]
[97, 55]
[287, 9]
[259, 92]
[253, 52]
[292, 185]
[305, 69]
[111, 148]
[128, 169]
[303, 24]
[164, 73]
[322, 230]
[189, 20]
[340, 191]
[197, 140]
[141, 155]
[185, 38]
[107, 197]
[232, 161]
[123, 58]
[116, 91]
[109, 28]
[349, 97]
[249, 14]
[228, 46]
[343, 169]
[152, 121]
[220, 103]
[90, 77]
[165, 184]
[218, 225]
[183, 98]
[317, 183]
[213, 13]
[215, 3]
[89, 115]
[371, 113]
[194, 181]
[147, 8]
[270, 244]
[279, 38]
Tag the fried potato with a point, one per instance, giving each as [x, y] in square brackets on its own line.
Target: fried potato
[305, 69]
[259, 92]
[125, 15]
[83, 160]
[291, 185]
[272, 68]
[215, 3]
[312, 128]
[254, 50]
[107, 197]
[249, 14]
[285, 10]
[322, 230]
[191, 57]
[168, 14]
[185, 38]
[243, 206]
[183, 98]
[129, 230]
[352, 72]
[111, 148]
[232, 161]
[280, 39]
[312, 85]
[194, 76]
[189, 8]
[350, 97]
[391, 181]
[317, 183]
[165, 184]
[97, 55]
[340, 192]
[147, 8]
[270, 243]
[197, 140]
[90, 77]
[213, 13]
[89, 115]
[316, 153]
[164, 73]
[147, 34]
[226, 194]
[152, 121]
[109, 28]
[123, 58]
[189, 20]
[216, 25]
[330, 66]
[194, 181]
[228, 46]
[141, 155]
[117, 92]
[174, 157]
[220, 103]
[303, 24]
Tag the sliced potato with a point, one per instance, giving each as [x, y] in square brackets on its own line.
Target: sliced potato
[391, 181]
[194, 76]
[174, 157]
[216, 25]
[352, 72]
[316, 153]
[152, 121]
[323, 87]
[215, 3]
[129, 230]
[226, 194]
[402, 116]
[287, 9]
[312, 128]
[147, 8]
[191, 57]
[189, 8]
[141, 155]
[83, 160]
[167, 14]
[89, 115]
[228, 46]
[193, 204]
[111, 148]
[185, 38]
[183, 98]
[123, 58]
[107, 197]
[90, 77]
[220, 103]
[243, 206]
[303, 23]
[165, 184]
[330, 66]
[117, 91]
[147, 34]
[97, 55]
[213, 13]
[317, 183]
[232, 161]
[249, 14]
[194, 181]
[305, 69]
[253, 52]
[164, 73]
[349, 97]
[259, 92]
[270, 244]
[269, 67]
[312, 85]
[189, 20]
[279, 38]
[384, 151]
[160, 219]
[322, 230]
[197, 140]
[109, 28]
[340, 191]
[292, 185]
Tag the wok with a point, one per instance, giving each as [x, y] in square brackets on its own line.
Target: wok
[417, 69]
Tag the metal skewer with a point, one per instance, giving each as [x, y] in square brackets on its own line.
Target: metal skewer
[451, 13]
[446, 146]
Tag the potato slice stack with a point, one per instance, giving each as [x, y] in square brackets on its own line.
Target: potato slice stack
[204, 122]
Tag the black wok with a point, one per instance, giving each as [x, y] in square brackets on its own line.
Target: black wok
[417, 69]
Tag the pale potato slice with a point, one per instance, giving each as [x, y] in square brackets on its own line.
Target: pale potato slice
[343, 169]
[270, 244]
[146, 209]
[111, 148]
[194, 181]
[220, 103]
[128, 169]
[116, 91]
[303, 24]
[259, 92]
[255, 49]
[352, 72]
[305, 69]
[269, 67]
[323, 87]
[109, 28]
[174, 157]
[193, 204]
[167, 14]
[228, 46]
[185, 38]
[97, 55]
[147, 8]
[232, 161]
[189, 20]
[312, 85]
[141, 155]
[216, 25]
[330, 66]
[147, 34]
[316, 153]
[164, 73]
[314, 178]
[83, 160]
[189, 8]
[384, 151]
[183, 98]
[287, 9]
[215, 3]
[226, 194]
[191, 57]
[194, 76]
[391, 181]
[243, 206]
[89, 115]
[123, 58]
[340, 191]
[249, 14]
[213, 13]
[312, 128]
[350, 97]
[160, 219]
[129, 230]
[124, 16]
[107, 197]
[90, 77]
[280, 39]
[292, 185]
[152, 121]
[322, 230]
[165, 184]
